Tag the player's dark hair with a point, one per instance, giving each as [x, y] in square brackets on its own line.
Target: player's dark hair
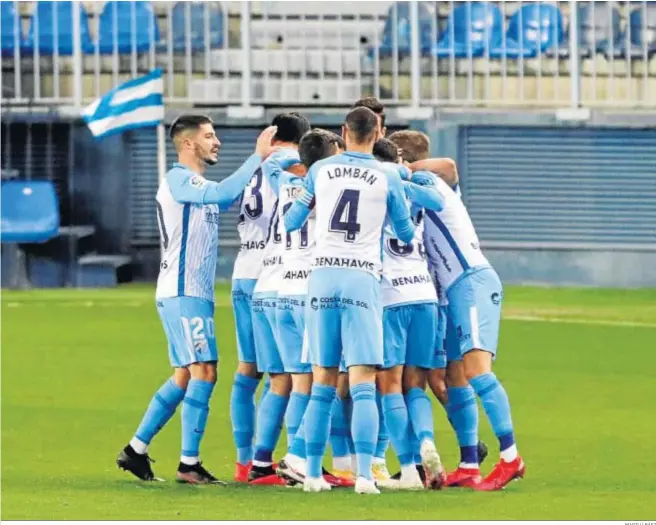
[188, 122]
[316, 145]
[338, 140]
[374, 105]
[291, 127]
[362, 123]
[415, 145]
[385, 150]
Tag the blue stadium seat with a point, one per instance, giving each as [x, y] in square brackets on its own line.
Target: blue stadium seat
[9, 26]
[30, 211]
[533, 29]
[471, 29]
[599, 23]
[197, 13]
[642, 32]
[47, 36]
[136, 25]
[403, 41]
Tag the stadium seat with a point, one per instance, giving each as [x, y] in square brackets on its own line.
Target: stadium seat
[426, 20]
[597, 23]
[30, 211]
[470, 31]
[533, 29]
[195, 14]
[641, 33]
[136, 26]
[51, 28]
[9, 27]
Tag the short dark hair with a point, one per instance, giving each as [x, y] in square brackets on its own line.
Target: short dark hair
[362, 123]
[415, 144]
[374, 105]
[316, 145]
[291, 127]
[385, 150]
[338, 140]
[188, 122]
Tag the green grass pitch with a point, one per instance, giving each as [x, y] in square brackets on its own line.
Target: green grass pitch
[79, 367]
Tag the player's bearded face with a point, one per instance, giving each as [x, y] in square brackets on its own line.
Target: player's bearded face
[206, 145]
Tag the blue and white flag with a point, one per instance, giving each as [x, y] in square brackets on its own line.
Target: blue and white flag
[138, 103]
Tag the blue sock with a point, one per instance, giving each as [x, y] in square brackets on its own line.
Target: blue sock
[396, 417]
[415, 446]
[338, 430]
[271, 414]
[347, 402]
[383, 441]
[263, 394]
[298, 446]
[317, 426]
[195, 409]
[242, 414]
[496, 406]
[421, 414]
[161, 408]
[463, 415]
[364, 426]
[298, 402]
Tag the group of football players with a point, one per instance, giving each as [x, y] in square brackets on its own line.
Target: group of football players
[359, 283]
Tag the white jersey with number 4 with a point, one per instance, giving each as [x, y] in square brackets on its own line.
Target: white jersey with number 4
[450, 240]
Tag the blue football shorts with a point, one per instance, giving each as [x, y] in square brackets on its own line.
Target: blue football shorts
[290, 320]
[344, 318]
[474, 313]
[265, 332]
[189, 327]
[409, 334]
[242, 296]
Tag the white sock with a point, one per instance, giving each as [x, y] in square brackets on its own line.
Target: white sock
[377, 461]
[510, 454]
[261, 463]
[469, 465]
[408, 471]
[187, 460]
[139, 446]
[342, 463]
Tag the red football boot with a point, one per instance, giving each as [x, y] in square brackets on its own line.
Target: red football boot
[502, 474]
[242, 471]
[463, 477]
[265, 476]
[336, 481]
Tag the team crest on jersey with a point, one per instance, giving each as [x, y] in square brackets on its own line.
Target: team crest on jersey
[197, 181]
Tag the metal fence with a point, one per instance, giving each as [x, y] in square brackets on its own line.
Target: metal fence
[535, 54]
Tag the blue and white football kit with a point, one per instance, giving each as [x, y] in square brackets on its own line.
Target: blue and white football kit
[354, 195]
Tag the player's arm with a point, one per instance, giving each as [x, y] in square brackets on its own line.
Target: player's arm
[397, 209]
[445, 167]
[422, 191]
[273, 167]
[299, 211]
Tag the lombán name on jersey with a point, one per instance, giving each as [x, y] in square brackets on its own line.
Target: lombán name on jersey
[411, 279]
[294, 274]
[344, 262]
[339, 172]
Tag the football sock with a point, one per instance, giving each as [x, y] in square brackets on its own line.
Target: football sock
[298, 446]
[420, 412]
[298, 402]
[497, 408]
[161, 408]
[269, 426]
[463, 414]
[195, 409]
[415, 446]
[339, 432]
[382, 444]
[317, 426]
[347, 402]
[242, 414]
[364, 426]
[396, 418]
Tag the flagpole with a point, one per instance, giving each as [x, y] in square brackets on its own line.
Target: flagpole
[161, 161]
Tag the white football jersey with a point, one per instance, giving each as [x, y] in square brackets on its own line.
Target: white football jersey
[298, 252]
[271, 270]
[255, 212]
[190, 239]
[450, 240]
[406, 278]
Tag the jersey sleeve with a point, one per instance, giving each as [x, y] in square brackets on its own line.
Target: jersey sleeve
[397, 209]
[300, 210]
[422, 191]
[187, 187]
[275, 165]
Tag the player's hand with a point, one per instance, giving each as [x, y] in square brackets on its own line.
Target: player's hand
[405, 172]
[263, 146]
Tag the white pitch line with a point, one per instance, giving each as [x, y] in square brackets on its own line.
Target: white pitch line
[600, 322]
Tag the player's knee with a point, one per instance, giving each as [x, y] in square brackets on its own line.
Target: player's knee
[325, 376]
[248, 369]
[204, 371]
[342, 385]
[455, 374]
[181, 377]
[476, 362]
[437, 382]
[389, 381]
[362, 374]
[281, 384]
[414, 377]
[302, 383]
